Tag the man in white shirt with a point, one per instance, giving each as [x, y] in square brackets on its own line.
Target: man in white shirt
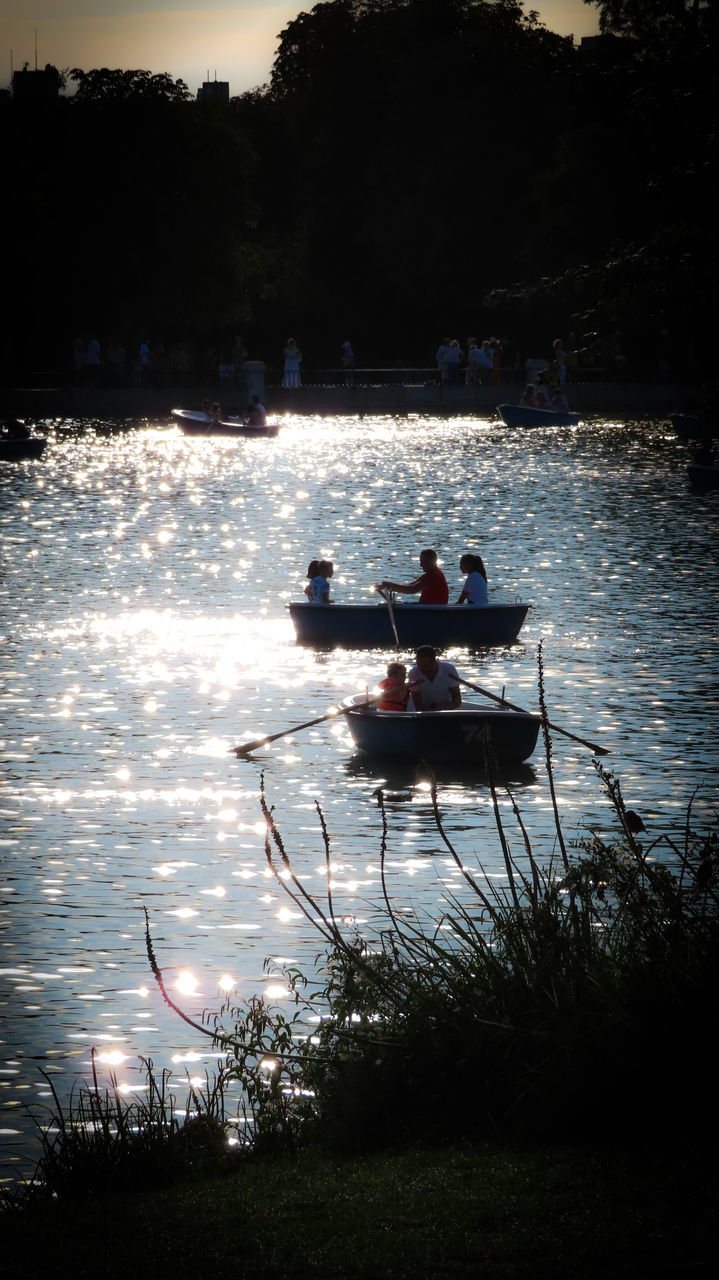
[433, 685]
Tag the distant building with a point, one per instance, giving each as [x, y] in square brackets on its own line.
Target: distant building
[214, 91]
[36, 86]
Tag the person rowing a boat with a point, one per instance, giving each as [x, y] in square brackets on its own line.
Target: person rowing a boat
[431, 584]
[255, 413]
[433, 685]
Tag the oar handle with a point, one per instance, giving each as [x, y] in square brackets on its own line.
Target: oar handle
[387, 597]
[593, 746]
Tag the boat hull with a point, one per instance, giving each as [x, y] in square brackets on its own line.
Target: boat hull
[17, 450]
[703, 477]
[472, 734]
[360, 626]
[519, 415]
[688, 427]
[194, 423]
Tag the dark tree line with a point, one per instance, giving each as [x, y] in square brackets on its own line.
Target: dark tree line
[415, 168]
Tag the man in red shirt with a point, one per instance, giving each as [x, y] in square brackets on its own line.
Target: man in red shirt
[431, 584]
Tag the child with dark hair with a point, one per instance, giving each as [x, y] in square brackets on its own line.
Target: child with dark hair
[474, 590]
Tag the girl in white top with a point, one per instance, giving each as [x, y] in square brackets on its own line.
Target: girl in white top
[474, 590]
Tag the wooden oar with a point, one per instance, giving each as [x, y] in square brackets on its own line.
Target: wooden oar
[593, 746]
[388, 600]
[246, 747]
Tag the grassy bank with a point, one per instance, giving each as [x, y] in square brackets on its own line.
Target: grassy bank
[522, 1087]
[463, 1211]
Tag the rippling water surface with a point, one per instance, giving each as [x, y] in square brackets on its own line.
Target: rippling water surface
[144, 632]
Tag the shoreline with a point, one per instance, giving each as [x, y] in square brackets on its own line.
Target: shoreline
[624, 399]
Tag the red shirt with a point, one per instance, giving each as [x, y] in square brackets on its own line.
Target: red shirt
[433, 588]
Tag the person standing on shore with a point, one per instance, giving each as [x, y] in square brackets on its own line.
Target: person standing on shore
[293, 359]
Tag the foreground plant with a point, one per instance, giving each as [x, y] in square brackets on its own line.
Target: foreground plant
[575, 999]
[103, 1142]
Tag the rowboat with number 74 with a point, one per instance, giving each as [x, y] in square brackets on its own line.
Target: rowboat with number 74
[470, 733]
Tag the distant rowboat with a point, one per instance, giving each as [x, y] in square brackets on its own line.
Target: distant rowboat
[689, 427]
[522, 415]
[703, 477]
[194, 422]
[469, 733]
[16, 450]
[369, 626]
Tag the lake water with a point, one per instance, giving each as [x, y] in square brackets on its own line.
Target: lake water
[144, 632]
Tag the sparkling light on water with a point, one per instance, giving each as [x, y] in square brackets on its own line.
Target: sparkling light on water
[144, 633]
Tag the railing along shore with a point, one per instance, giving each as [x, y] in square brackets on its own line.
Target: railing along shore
[339, 392]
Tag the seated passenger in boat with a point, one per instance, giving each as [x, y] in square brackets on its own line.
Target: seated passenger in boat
[313, 569]
[320, 584]
[474, 590]
[559, 402]
[395, 691]
[17, 430]
[433, 685]
[528, 396]
[431, 584]
[255, 413]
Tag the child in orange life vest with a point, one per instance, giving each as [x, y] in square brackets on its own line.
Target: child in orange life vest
[395, 691]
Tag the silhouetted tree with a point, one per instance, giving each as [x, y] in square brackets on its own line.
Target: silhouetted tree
[121, 86]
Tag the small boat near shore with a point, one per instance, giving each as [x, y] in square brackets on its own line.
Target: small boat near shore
[19, 449]
[369, 626]
[690, 427]
[469, 733]
[703, 478]
[522, 415]
[194, 422]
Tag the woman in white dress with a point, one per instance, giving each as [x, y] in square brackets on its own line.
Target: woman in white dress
[293, 359]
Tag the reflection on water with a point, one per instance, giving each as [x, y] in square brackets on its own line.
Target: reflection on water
[144, 632]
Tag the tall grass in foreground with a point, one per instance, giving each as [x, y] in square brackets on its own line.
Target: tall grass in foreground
[576, 1000]
[103, 1142]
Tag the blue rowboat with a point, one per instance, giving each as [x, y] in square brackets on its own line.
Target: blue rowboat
[369, 626]
[468, 733]
[16, 450]
[193, 422]
[688, 427]
[521, 415]
[703, 477]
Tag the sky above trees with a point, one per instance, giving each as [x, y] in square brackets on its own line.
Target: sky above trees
[234, 40]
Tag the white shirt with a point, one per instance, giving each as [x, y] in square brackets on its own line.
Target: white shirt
[475, 588]
[436, 694]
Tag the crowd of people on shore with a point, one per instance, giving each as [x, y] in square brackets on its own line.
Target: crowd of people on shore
[493, 360]
[150, 361]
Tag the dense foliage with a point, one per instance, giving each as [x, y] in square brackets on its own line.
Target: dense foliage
[414, 168]
[568, 1004]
